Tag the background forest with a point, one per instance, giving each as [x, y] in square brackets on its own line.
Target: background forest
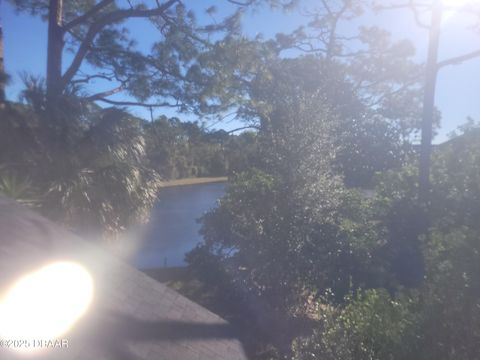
[344, 233]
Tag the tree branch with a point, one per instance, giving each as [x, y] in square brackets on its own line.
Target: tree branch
[333, 29]
[416, 15]
[240, 3]
[243, 128]
[97, 26]
[81, 19]
[459, 59]
[103, 94]
[135, 103]
[325, 5]
[87, 78]
[405, 5]
[410, 4]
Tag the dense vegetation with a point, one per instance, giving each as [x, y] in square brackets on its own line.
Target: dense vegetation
[111, 166]
[177, 149]
[289, 234]
[337, 238]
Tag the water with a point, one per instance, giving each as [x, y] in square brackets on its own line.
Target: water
[173, 229]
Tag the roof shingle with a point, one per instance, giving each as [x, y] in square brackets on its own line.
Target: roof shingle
[132, 315]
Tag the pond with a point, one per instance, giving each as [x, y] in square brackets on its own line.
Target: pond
[173, 229]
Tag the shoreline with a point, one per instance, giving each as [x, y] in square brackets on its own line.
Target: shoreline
[193, 181]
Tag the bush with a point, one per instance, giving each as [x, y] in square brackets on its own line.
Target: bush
[371, 326]
[451, 296]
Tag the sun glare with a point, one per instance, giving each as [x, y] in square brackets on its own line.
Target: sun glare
[452, 7]
[44, 304]
[455, 2]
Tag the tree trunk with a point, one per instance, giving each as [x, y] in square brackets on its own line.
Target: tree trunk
[55, 118]
[429, 105]
[3, 76]
[54, 51]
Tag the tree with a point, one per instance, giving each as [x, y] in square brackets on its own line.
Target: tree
[97, 35]
[429, 104]
[436, 9]
[89, 41]
[372, 326]
[171, 75]
[289, 228]
[109, 188]
[3, 76]
[386, 80]
[383, 73]
[366, 141]
[177, 149]
[81, 27]
[438, 320]
[100, 185]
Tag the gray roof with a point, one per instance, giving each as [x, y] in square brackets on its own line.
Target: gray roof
[132, 316]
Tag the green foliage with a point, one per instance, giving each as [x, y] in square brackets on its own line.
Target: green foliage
[381, 70]
[456, 181]
[16, 187]
[106, 185]
[369, 146]
[178, 149]
[182, 68]
[398, 210]
[451, 291]
[280, 246]
[454, 201]
[438, 320]
[98, 170]
[371, 326]
[96, 179]
[290, 228]
[17, 126]
[450, 296]
[291, 231]
[362, 141]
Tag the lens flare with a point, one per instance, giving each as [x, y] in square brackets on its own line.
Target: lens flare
[452, 7]
[44, 304]
[456, 2]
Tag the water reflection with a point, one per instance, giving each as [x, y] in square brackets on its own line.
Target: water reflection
[173, 229]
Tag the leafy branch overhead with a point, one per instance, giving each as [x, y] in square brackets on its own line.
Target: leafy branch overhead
[102, 50]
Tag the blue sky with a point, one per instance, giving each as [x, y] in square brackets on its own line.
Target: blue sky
[458, 86]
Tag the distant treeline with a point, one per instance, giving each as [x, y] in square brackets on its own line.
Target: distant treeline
[177, 149]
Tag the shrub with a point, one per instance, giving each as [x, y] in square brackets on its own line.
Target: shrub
[371, 326]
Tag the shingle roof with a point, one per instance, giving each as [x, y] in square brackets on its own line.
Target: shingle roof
[132, 315]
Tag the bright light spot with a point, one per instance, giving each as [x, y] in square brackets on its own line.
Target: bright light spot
[44, 305]
[455, 2]
[451, 6]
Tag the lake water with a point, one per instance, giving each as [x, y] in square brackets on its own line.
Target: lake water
[173, 228]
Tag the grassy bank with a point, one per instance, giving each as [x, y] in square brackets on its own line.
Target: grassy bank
[194, 181]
